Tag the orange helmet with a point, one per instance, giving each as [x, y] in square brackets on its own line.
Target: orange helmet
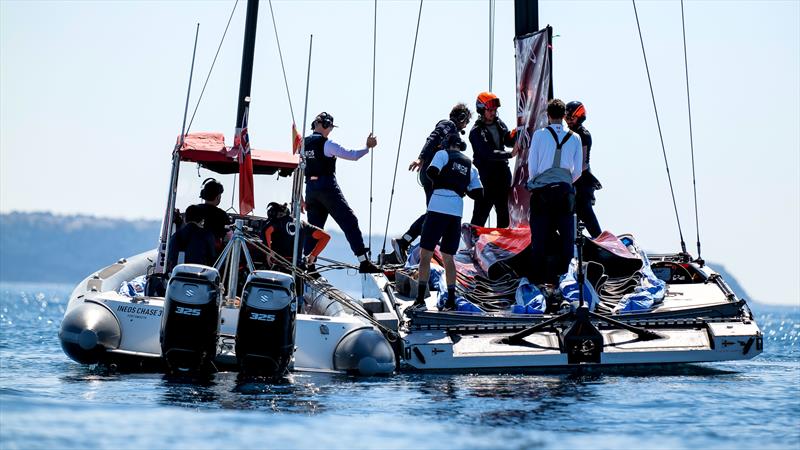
[576, 110]
[486, 99]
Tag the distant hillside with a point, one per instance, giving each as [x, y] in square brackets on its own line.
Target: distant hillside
[43, 247]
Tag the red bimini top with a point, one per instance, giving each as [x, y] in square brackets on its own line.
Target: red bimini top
[209, 150]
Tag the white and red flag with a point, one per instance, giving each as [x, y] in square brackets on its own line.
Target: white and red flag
[242, 142]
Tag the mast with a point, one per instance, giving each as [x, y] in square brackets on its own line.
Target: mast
[246, 78]
[526, 21]
[526, 17]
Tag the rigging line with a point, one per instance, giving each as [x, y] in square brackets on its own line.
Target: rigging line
[691, 139]
[301, 167]
[372, 125]
[491, 42]
[280, 55]
[402, 125]
[208, 77]
[660, 134]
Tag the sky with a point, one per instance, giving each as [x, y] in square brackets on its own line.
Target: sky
[92, 96]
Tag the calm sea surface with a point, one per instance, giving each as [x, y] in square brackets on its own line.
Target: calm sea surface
[48, 401]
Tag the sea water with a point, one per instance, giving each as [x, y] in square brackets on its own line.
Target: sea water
[48, 401]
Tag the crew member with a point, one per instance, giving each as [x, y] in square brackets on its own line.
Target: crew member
[452, 174]
[215, 219]
[554, 163]
[279, 232]
[587, 183]
[488, 137]
[323, 195]
[192, 244]
[459, 119]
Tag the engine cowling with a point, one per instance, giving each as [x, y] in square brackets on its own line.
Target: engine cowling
[191, 318]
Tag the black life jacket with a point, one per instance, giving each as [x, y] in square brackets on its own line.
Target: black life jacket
[456, 174]
[283, 231]
[317, 164]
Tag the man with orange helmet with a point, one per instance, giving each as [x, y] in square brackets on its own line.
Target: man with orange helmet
[587, 183]
[489, 137]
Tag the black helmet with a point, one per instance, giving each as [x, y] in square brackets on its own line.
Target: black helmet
[211, 189]
[576, 110]
[454, 140]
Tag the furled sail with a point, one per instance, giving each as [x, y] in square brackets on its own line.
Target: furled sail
[533, 58]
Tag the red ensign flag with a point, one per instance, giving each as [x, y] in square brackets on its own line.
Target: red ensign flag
[242, 142]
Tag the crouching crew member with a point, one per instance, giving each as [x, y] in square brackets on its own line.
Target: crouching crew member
[587, 183]
[488, 137]
[452, 175]
[279, 232]
[554, 163]
[459, 119]
[215, 219]
[323, 195]
[192, 244]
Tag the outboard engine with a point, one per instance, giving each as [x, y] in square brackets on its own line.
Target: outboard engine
[191, 317]
[265, 331]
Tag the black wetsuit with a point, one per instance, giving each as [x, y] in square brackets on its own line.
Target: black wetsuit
[432, 145]
[491, 160]
[585, 187]
[215, 220]
[195, 243]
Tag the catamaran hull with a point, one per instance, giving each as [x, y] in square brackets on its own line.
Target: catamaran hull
[456, 351]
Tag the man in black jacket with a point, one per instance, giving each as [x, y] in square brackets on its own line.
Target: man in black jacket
[214, 218]
[192, 244]
[587, 183]
[455, 125]
[488, 137]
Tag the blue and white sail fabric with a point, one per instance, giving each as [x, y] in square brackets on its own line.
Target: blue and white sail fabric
[529, 299]
[650, 291]
[569, 288]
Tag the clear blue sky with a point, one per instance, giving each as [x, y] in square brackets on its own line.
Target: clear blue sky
[92, 95]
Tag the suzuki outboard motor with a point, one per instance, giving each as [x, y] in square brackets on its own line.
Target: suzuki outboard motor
[265, 331]
[191, 317]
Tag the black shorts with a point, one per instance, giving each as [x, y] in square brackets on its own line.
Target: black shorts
[442, 227]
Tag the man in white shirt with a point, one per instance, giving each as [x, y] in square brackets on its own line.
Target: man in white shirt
[555, 161]
[323, 195]
[453, 176]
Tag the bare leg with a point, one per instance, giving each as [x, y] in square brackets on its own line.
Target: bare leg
[424, 273]
[449, 269]
[450, 276]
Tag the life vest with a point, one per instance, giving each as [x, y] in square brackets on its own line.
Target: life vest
[280, 233]
[456, 174]
[317, 164]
